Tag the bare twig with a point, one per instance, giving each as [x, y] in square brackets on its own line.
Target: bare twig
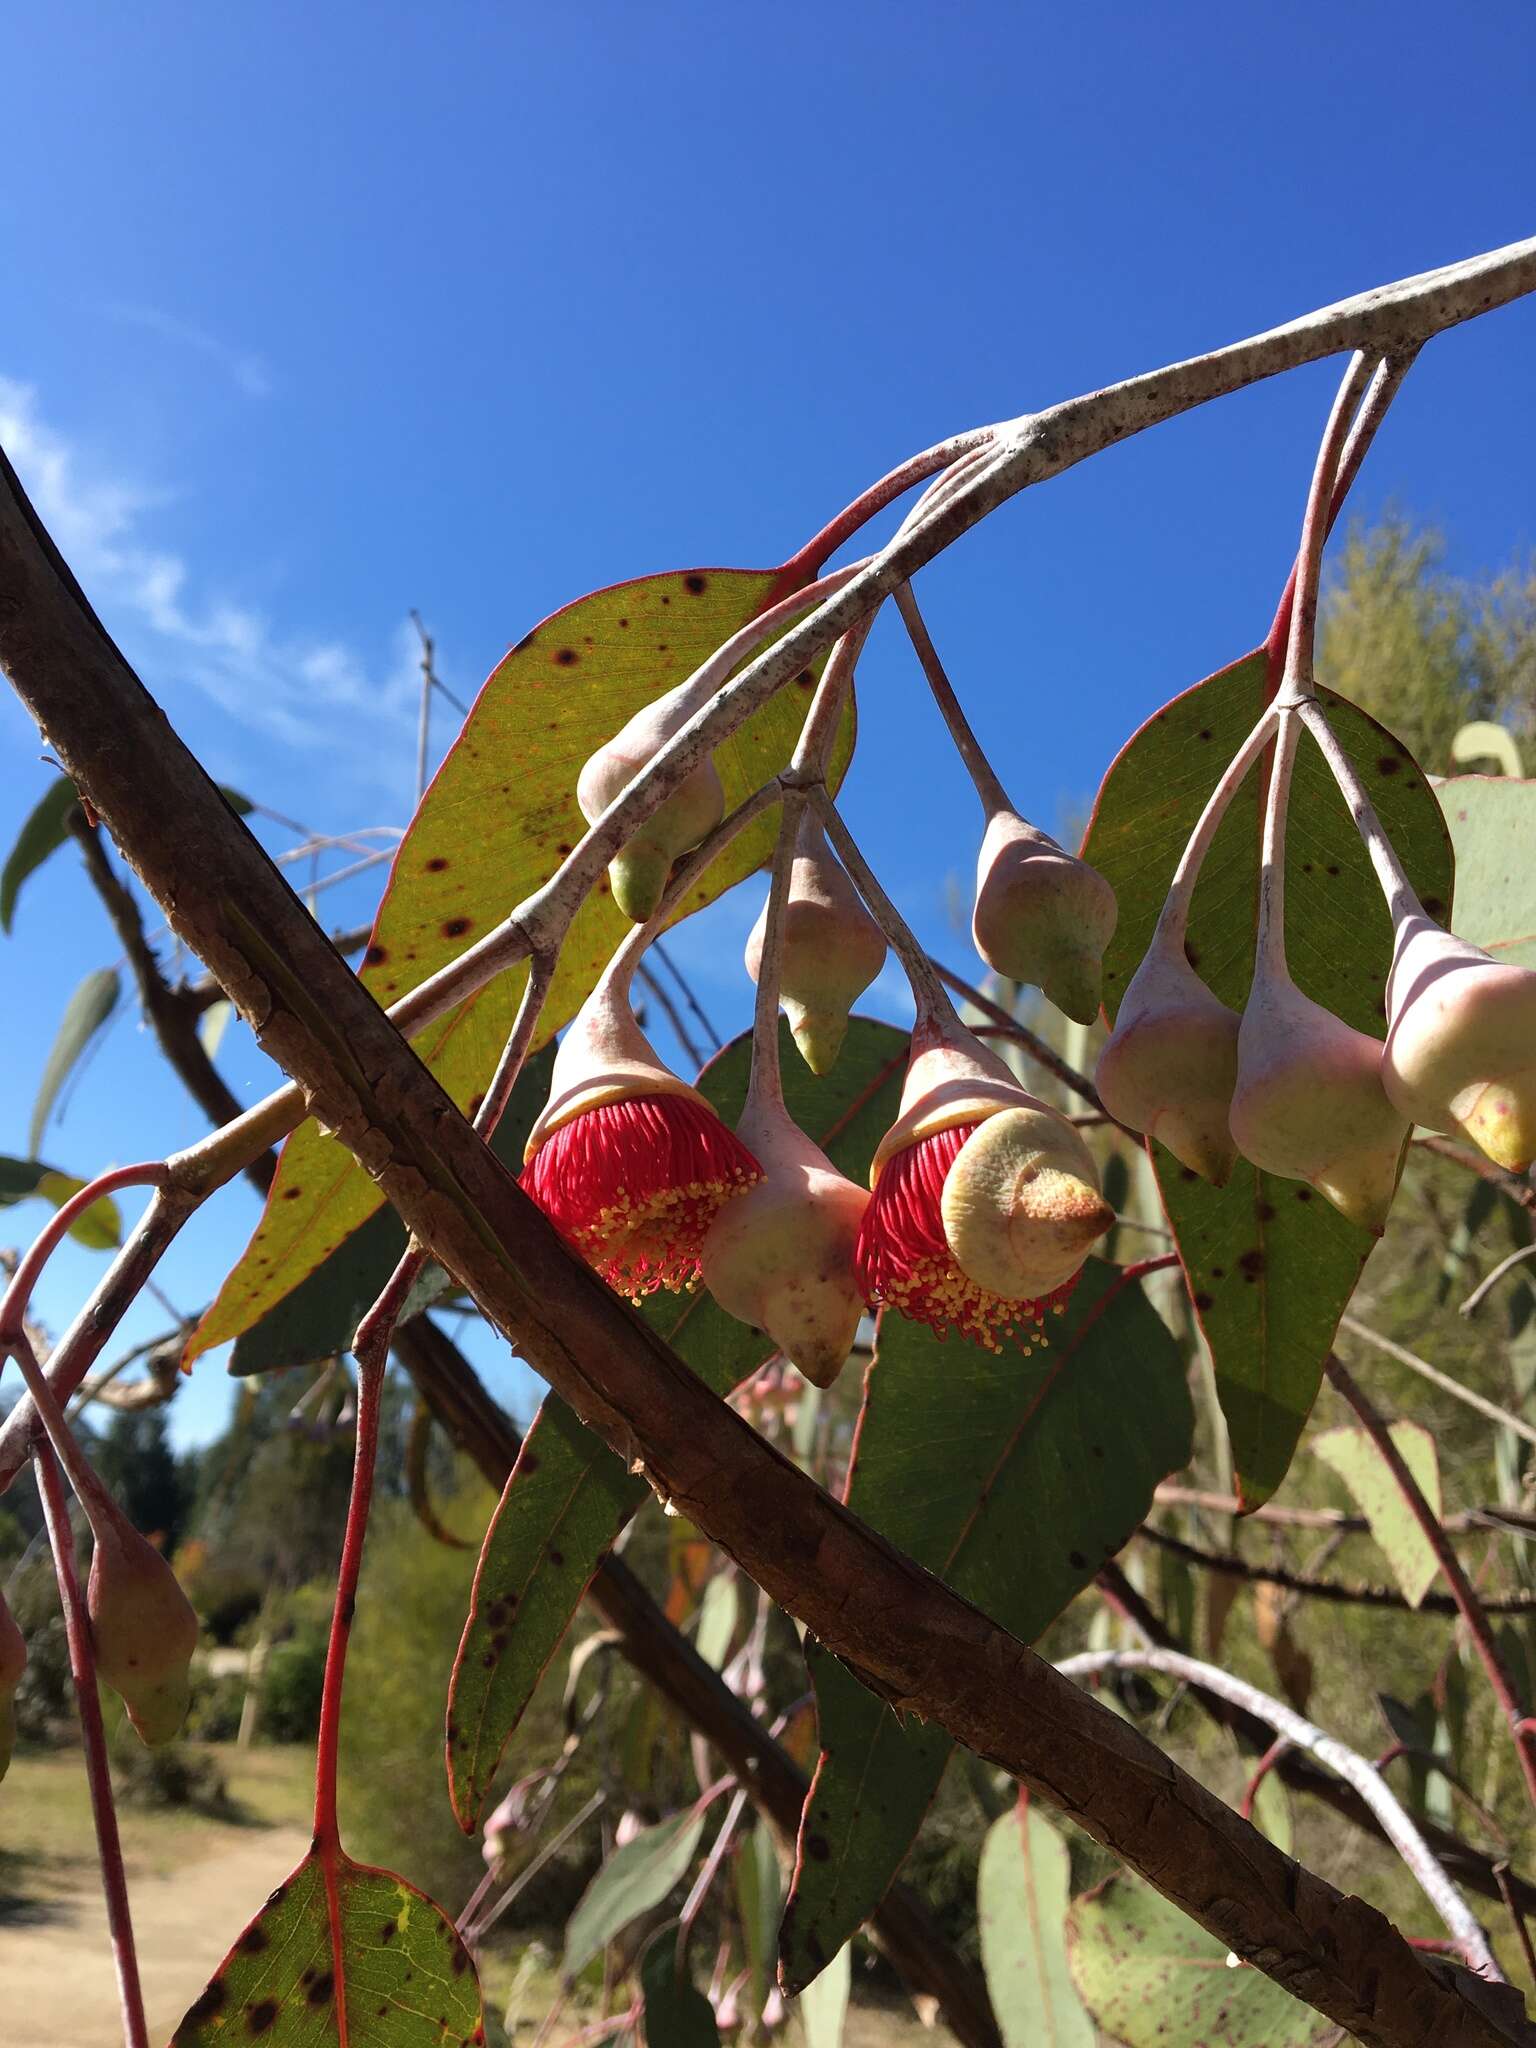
[1466, 1395]
[1472, 1612]
[1486, 1286]
[1399, 1829]
[1336, 1590]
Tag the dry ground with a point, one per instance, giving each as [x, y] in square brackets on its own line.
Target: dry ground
[194, 1882]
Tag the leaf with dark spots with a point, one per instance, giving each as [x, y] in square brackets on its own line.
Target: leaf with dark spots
[472, 852]
[568, 1496]
[1269, 1326]
[1008, 1476]
[284, 1974]
[1151, 1978]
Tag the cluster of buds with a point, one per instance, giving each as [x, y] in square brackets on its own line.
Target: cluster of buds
[983, 1201]
[1291, 1087]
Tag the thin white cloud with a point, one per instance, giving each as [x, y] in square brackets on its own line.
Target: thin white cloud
[244, 367]
[301, 690]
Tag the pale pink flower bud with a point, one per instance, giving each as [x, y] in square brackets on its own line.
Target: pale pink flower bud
[1042, 916]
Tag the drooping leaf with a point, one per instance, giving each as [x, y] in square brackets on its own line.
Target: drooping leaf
[1270, 1265]
[824, 2004]
[395, 1968]
[43, 832]
[759, 1900]
[240, 805]
[101, 1227]
[636, 1877]
[568, 1496]
[497, 820]
[1351, 1453]
[212, 1025]
[1014, 1479]
[1492, 822]
[1272, 1811]
[677, 2014]
[1023, 1890]
[86, 1011]
[317, 1318]
[718, 1611]
[1153, 1979]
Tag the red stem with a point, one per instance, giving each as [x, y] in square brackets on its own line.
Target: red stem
[82, 1668]
[1266, 1764]
[370, 1383]
[821, 547]
[1521, 1730]
[13, 1308]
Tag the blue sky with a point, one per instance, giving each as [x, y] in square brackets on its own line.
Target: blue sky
[312, 315]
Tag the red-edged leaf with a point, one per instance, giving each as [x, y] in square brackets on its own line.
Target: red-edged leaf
[381, 1954]
[1014, 1478]
[500, 815]
[1270, 1265]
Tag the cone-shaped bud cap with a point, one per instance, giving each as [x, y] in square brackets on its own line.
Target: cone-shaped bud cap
[13, 1662]
[628, 1162]
[144, 1629]
[1461, 1042]
[1042, 916]
[1021, 1205]
[780, 1257]
[989, 1253]
[639, 873]
[1309, 1102]
[832, 948]
[1170, 1065]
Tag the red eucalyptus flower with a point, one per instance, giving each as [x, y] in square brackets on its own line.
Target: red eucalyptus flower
[985, 1201]
[628, 1162]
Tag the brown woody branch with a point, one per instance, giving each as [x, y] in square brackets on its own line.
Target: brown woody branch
[910, 1639]
[1341, 1591]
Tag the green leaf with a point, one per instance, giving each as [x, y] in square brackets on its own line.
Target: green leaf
[635, 1878]
[100, 1228]
[824, 2004]
[240, 805]
[1492, 822]
[1014, 1478]
[1351, 1453]
[86, 1011]
[212, 1025]
[318, 1318]
[568, 1496]
[677, 2014]
[759, 1901]
[498, 818]
[1153, 1979]
[398, 1971]
[1023, 1890]
[44, 832]
[718, 1612]
[1270, 1265]
[1272, 1811]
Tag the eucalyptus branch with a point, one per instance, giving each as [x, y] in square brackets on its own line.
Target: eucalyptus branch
[1471, 1521]
[1339, 1591]
[1485, 1287]
[765, 1087]
[1468, 1396]
[1270, 956]
[1350, 1765]
[920, 1645]
[1392, 320]
[988, 788]
[82, 1671]
[1298, 683]
[1522, 1733]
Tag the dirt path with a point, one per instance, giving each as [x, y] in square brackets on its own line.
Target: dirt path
[57, 1987]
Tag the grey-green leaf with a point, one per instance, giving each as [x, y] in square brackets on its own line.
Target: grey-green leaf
[87, 1010]
[43, 833]
[1023, 1892]
[101, 1227]
[636, 1877]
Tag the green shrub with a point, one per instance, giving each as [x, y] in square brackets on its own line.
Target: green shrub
[291, 1685]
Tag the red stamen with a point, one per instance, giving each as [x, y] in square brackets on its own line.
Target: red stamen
[903, 1258]
[635, 1185]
